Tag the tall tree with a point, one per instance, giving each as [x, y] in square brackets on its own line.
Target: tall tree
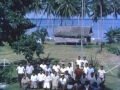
[12, 20]
[115, 4]
[67, 8]
[99, 9]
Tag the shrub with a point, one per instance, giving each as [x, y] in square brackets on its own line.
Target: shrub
[94, 61]
[7, 73]
[113, 50]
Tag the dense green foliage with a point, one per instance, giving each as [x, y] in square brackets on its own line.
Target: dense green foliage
[28, 46]
[94, 61]
[114, 50]
[40, 34]
[7, 73]
[113, 35]
[13, 22]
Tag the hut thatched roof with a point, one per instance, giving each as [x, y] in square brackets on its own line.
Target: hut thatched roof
[72, 31]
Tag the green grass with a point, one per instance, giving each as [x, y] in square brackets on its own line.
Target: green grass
[69, 53]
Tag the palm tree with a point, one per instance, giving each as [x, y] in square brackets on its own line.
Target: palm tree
[36, 7]
[99, 9]
[67, 9]
[115, 4]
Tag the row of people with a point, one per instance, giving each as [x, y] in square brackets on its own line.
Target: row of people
[65, 81]
[82, 67]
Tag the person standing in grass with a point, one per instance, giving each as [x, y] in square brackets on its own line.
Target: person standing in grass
[47, 81]
[85, 60]
[55, 81]
[62, 83]
[90, 70]
[85, 69]
[62, 69]
[29, 70]
[25, 82]
[40, 79]
[70, 83]
[21, 71]
[37, 69]
[79, 61]
[101, 74]
[33, 80]
[70, 69]
[43, 65]
[56, 67]
[48, 69]
[78, 72]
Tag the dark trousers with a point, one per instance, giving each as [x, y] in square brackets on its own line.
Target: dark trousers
[40, 83]
[20, 76]
[29, 75]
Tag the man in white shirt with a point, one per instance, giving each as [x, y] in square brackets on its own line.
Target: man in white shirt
[56, 67]
[33, 80]
[79, 61]
[90, 70]
[43, 65]
[40, 79]
[85, 69]
[48, 69]
[29, 70]
[70, 69]
[47, 81]
[62, 69]
[101, 73]
[85, 60]
[63, 83]
[21, 71]
[55, 81]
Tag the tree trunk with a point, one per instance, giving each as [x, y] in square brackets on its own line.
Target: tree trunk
[100, 32]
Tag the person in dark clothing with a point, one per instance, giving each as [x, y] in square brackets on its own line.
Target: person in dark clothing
[38, 69]
[70, 82]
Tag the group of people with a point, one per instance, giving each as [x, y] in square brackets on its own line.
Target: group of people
[49, 76]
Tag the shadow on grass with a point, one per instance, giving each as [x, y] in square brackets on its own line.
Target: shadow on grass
[106, 88]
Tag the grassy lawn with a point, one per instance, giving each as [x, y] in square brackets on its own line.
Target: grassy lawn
[69, 53]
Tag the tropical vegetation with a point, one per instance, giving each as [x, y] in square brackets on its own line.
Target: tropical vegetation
[28, 46]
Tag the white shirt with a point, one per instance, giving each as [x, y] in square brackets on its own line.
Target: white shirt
[43, 66]
[85, 69]
[79, 62]
[91, 79]
[47, 79]
[84, 62]
[56, 68]
[98, 80]
[101, 73]
[29, 69]
[40, 77]
[63, 81]
[66, 76]
[63, 70]
[48, 70]
[20, 70]
[34, 78]
[89, 71]
[83, 80]
[70, 70]
[55, 80]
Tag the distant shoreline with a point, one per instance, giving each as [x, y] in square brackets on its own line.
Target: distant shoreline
[71, 19]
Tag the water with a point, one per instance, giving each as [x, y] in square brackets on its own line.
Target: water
[107, 23]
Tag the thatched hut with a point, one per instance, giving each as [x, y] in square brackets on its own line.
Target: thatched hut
[72, 34]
